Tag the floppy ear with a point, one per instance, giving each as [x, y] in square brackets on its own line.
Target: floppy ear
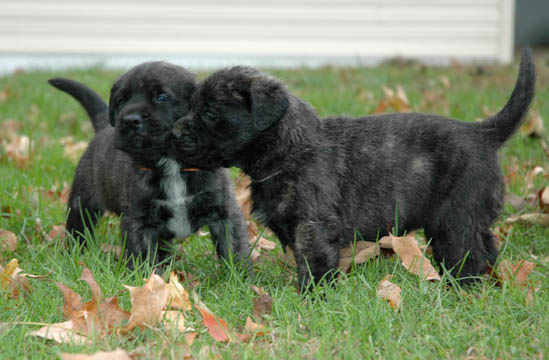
[269, 102]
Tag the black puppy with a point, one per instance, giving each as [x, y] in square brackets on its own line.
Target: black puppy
[317, 181]
[126, 168]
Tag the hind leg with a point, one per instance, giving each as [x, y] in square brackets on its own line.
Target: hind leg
[84, 212]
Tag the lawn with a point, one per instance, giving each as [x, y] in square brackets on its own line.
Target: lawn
[435, 319]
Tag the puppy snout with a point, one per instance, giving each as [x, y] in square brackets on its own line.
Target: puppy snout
[133, 121]
[178, 130]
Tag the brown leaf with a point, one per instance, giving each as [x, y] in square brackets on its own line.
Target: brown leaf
[532, 175]
[8, 240]
[178, 297]
[57, 232]
[389, 292]
[176, 320]
[398, 102]
[148, 302]
[117, 354]
[12, 281]
[361, 252]
[18, 150]
[243, 195]
[62, 333]
[73, 149]
[412, 258]
[543, 196]
[217, 327]
[265, 244]
[253, 327]
[529, 219]
[263, 303]
[9, 129]
[107, 248]
[517, 273]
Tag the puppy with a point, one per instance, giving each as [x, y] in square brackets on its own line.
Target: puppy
[315, 182]
[126, 168]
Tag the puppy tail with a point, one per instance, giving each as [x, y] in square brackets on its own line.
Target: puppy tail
[94, 105]
[503, 124]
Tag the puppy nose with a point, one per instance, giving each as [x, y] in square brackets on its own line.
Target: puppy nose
[133, 121]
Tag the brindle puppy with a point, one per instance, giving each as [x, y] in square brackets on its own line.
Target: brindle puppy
[126, 168]
[317, 181]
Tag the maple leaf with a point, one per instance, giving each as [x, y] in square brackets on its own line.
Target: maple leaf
[389, 292]
[178, 297]
[61, 332]
[361, 252]
[516, 273]
[217, 327]
[412, 258]
[8, 240]
[147, 302]
[175, 319]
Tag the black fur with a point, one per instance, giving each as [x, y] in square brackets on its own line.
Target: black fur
[317, 181]
[126, 168]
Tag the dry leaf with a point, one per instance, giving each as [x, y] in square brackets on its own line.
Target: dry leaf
[9, 129]
[73, 149]
[412, 258]
[543, 197]
[107, 248]
[263, 303]
[18, 150]
[531, 175]
[252, 327]
[398, 102]
[8, 240]
[176, 320]
[11, 279]
[361, 252]
[147, 302]
[57, 232]
[117, 354]
[265, 244]
[243, 195]
[389, 292]
[61, 332]
[517, 273]
[58, 194]
[178, 297]
[217, 327]
[529, 219]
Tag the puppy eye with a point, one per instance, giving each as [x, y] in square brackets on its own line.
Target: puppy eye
[119, 99]
[161, 98]
[210, 115]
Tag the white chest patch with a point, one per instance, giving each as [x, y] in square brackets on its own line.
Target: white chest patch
[177, 199]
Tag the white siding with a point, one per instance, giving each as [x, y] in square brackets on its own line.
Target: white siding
[443, 29]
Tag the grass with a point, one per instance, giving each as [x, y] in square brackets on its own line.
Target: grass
[347, 321]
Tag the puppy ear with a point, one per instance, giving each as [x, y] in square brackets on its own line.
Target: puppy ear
[269, 102]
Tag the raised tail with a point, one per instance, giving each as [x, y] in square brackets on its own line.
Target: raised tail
[94, 105]
[503, 124]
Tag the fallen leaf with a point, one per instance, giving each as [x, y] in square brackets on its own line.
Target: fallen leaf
[178, 297]
[263, 303]
[243, 195]
[531, 176]
[73, 149]
[406, 247]
[397, 101]
[529, 219]
[8, 240]
[11, 279]
[57, 232]
[9, 129]
[265, 244]
[18, 150]
[517, 273]
[389, 292]
[543, 196]
[117, 354]
[253, 327]
[358, 253]
[107, 248]
[55, 193]
[61, 332]
[217, 327]
[147, 302]
[175, 320]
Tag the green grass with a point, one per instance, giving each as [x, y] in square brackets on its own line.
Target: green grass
[436, 320]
